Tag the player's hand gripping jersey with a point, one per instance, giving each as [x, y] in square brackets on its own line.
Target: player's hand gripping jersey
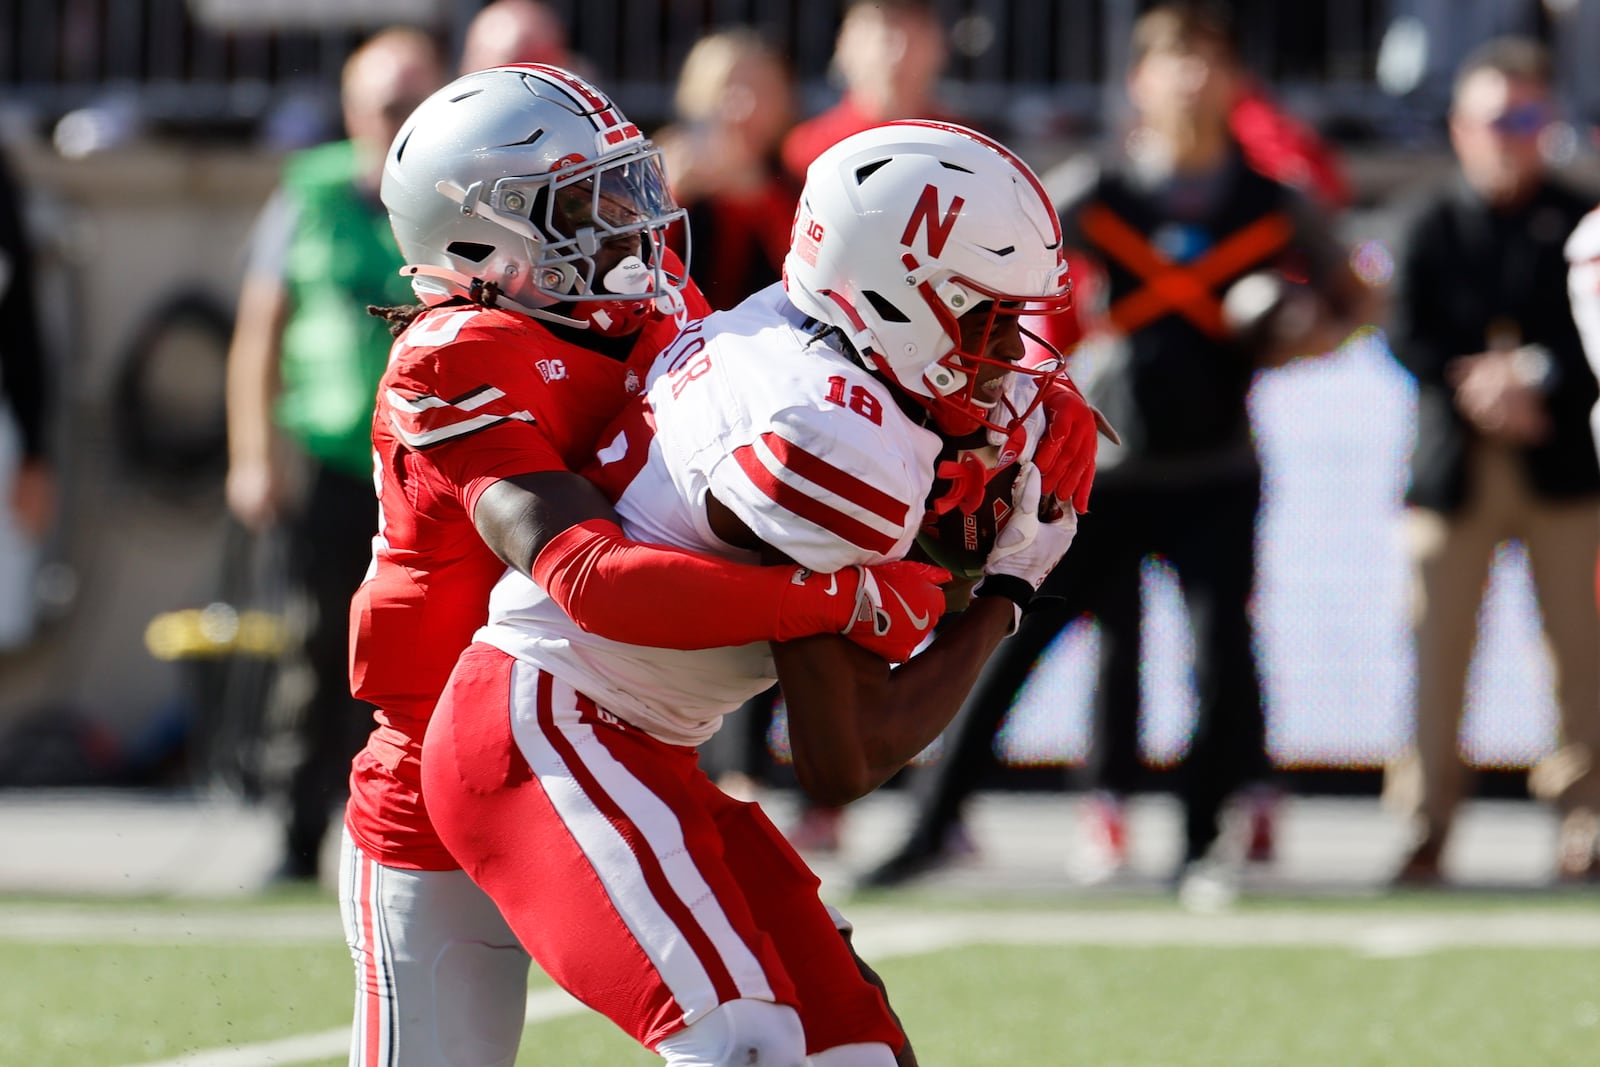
[471, 395]
[806, 448]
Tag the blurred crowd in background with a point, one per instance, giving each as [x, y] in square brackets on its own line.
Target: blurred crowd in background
[163, 621]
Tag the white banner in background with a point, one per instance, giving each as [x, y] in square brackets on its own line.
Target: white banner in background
[1335, 437]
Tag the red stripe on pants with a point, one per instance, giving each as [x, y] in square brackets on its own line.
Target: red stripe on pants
[374, 997]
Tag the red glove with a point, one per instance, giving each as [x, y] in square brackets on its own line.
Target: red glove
[896, 607]
[1066, 453]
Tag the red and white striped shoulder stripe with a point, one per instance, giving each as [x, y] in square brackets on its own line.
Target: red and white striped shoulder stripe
[423, 420]
[809, 486]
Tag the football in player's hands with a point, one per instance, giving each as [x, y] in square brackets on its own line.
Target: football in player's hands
[969, 506]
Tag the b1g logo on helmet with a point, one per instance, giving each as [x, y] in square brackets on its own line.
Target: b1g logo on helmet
[808, 234]
[926, 213]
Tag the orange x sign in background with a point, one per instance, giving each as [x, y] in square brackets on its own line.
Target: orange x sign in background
[1185, 288]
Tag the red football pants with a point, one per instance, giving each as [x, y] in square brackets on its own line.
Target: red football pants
[638, 885]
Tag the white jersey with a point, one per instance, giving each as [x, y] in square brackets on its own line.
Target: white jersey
[809, 450]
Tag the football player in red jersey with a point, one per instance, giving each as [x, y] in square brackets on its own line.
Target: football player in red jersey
[806, 424]
[531, 215]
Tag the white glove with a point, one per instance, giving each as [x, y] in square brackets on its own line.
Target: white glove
[1030, 546]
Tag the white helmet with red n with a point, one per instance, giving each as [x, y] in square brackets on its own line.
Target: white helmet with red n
[905, 228]
[505, 185]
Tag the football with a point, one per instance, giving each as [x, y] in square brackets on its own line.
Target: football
[959, 538]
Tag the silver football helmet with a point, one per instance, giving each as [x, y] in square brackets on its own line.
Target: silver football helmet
[525, 187]
[905, 228]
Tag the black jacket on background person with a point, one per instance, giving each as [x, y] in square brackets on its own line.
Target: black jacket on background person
[1467, 271]
[22, 364]
[1169, 375]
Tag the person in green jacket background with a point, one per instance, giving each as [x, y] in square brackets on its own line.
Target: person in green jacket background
[303, 369]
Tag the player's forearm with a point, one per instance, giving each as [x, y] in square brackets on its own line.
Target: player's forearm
[251, 387]
[853, 724]
[924, 694]
[829, 686]
[252, 373]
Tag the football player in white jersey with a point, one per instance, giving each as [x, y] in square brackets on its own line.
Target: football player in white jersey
[807, 424]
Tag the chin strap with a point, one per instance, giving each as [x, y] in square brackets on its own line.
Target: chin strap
[456, 284]
[435, 285]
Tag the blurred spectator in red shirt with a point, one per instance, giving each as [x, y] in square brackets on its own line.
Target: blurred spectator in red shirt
[735, 103]
[1286, 149]
[890, 54]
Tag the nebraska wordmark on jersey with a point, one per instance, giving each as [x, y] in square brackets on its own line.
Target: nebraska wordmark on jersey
[804, 446]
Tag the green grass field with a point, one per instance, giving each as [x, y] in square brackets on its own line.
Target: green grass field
[1419, 980]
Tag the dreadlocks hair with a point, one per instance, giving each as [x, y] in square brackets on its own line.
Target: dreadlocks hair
[398, 317]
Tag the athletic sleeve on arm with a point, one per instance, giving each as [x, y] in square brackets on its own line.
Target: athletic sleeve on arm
[814, 484]
[599, 578]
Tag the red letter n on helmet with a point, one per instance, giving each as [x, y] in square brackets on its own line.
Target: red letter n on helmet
[927, 212]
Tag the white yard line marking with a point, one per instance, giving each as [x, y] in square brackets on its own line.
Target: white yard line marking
[306, 1048]
[48, 924]
[894, 932]
[898, 931]
[326, 1044]
[894, 929]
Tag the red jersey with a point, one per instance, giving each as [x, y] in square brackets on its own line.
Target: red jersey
[1287, 150]
[471, 395]
[816, 135]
